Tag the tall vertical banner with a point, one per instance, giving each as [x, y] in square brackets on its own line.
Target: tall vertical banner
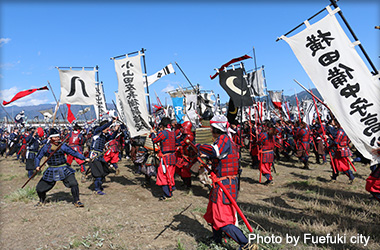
[178, 108]
[78, 87]
[342, 78]
[132, 94]
[100, 106]
[276, 97]
[191, 108]
[255, 80]
[120, 108]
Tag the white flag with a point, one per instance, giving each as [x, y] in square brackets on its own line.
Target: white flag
[255, 80]
[120, 108]
[345, 83]
[309, 111]
[78, 87]
[163, 72]
[100, 106]
[132, 94]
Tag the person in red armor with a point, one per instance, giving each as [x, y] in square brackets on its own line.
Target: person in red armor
[341, 154]
[111, 156]
[303, 144]
[185, 155]
[166, 169]
[224, 154]
[373, 181]
[76, 142]
[266, 155]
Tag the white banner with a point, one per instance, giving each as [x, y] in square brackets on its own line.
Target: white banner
[120, 108]
[309, 111]
[345, 83]
[255, 80]
[78, 87]
[132, 94]
[163, 72]
[100, 106]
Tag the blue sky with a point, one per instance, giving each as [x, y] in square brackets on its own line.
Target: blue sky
[36, 37]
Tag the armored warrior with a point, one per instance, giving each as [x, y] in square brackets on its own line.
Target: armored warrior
[185, 155]
[76, 142]
[341, 154]
[58, 169]
[303, 144]
[266, 155]
[166, 169]
[225, 164]
[99, 167]
[32, 146]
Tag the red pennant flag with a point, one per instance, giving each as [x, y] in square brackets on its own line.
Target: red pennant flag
[238, 59]
[24, 93]
[70, 115]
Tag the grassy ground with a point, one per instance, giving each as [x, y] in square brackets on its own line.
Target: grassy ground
[129, 216]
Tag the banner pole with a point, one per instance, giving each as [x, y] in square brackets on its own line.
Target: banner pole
[146, 80]
[375, 72]
[56, 100]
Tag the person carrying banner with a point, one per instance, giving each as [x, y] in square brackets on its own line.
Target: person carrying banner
[99, 167]
[224, 155]
[58, 169]
[166, 169]
[341, 154]
[32, 147]
[320, 141]
[266, 140]
[303, 144]
[76, 142]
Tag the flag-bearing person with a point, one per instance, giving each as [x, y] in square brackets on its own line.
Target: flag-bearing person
[225, 164]
[266, 140]
[58, 169]
[166, 169]
[3, 142]
[341, 154]
[99, 167]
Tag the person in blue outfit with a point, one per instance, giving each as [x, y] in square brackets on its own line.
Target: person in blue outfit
[99, 167]
[58, 169]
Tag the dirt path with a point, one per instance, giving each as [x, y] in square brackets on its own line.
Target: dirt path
[130, 216]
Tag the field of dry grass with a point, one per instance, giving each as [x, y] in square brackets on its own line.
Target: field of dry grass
[300, 204]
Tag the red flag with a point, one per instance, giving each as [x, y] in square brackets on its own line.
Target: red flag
[24, 93]
[238, 59]
[70, 115]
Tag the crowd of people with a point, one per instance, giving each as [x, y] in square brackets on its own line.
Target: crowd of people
[173, 151]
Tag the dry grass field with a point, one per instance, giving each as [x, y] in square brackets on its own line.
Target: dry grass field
[301, 203]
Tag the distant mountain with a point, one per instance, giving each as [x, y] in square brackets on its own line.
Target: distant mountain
[32, 112]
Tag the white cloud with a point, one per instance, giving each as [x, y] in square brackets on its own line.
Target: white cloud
[7, 66]
[38, 97]
[168, 87]
[4, 41]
